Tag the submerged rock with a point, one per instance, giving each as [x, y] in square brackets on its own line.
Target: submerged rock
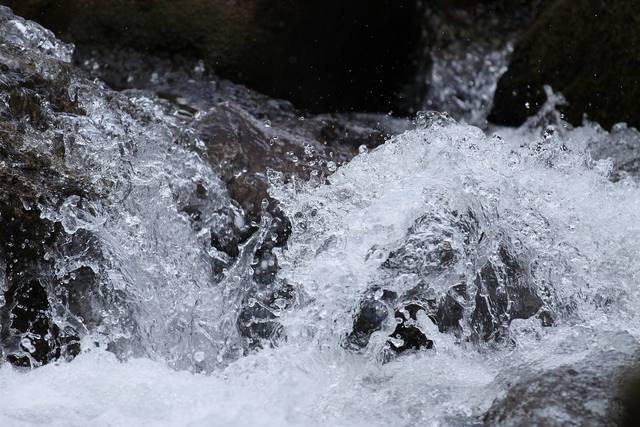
[587, 50]
[30, 179]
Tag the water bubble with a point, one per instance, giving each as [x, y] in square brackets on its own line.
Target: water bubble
[331, 165]
[199, 356]
[363, 149]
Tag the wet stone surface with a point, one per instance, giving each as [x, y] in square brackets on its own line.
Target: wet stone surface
[477, 306]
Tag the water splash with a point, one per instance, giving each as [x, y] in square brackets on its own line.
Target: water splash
[429, 209]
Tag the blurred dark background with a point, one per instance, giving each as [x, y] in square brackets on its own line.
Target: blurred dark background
[321, 55]
[377, 55]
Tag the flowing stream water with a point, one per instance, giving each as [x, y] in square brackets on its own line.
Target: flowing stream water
[167, 351]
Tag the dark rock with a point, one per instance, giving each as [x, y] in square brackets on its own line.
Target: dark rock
[407, 335]
[370, 318]
[503, 294]
[243, 148]
[28, 334]
[592, 391]
[373, 316]
[451, 309]
[587, 50]
[321, 55]
[477, 305]
[243, 135]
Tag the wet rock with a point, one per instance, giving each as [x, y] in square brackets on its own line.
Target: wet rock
[243, 148]
[503, 294]
[66, 143]
[28, 334]
[433, 270]
[452, 308]
[371, 317]
[241, 132]
[407, 335]
[564, 48]
[591, 391]
[321, 55]
[374, 315]
[244, 135]
[29, 179]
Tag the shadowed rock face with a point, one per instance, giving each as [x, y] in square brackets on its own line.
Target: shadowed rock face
[321, 55]
[478, 305]
[587, 50]
[503, 294]
[28, 336]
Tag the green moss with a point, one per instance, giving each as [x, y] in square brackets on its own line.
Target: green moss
[589, 50]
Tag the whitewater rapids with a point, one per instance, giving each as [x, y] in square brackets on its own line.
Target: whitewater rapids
[540, 185]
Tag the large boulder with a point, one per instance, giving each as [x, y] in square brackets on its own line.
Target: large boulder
[321, 54]
[589, 50]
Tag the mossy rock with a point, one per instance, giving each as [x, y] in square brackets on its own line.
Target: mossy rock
[321, 54]
[588, 50]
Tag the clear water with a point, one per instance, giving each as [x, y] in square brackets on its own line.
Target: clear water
[538, 186]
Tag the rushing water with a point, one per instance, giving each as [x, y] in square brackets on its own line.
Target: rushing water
[572, 223]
